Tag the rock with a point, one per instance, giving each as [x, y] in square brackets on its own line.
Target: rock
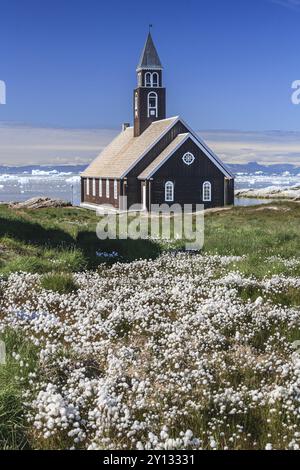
[39, 203]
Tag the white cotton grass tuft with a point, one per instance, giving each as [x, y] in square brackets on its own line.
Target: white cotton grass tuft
[159, 354]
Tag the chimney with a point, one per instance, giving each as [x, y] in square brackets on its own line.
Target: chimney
[125, 125]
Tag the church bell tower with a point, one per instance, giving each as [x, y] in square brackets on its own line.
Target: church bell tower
[149, 101]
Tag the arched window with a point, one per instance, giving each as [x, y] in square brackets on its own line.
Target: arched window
[169, 191]
[206, 194]
[152, 104]
[155, 80]
[148, 81]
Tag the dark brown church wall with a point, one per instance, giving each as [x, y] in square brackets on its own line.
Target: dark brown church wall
[133, 191]
[142, 121]
[188, 180]
[82, 189]
[133, 184]
[229, 188]
[97, 199]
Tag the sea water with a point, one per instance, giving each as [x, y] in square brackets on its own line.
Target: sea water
[20, 185]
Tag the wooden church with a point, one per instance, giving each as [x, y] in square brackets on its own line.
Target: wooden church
[158, 160]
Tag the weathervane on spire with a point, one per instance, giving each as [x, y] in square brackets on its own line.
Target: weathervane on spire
[150, 26]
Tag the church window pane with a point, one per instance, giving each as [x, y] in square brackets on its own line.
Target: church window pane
[206, 191]
[148, 79]
[155, 79]
[169, 191]
[152, 104]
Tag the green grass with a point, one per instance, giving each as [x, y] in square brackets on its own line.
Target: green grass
[245, 231]
[290, 297]
[13, 430]
[59, 282]
[65, 239]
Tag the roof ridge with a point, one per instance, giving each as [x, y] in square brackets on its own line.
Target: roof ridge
[165, 119]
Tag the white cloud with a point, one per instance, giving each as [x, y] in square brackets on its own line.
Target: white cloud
[263, 147]
[24, 145]
[21, 145]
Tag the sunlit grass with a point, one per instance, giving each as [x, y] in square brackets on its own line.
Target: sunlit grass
[13, 427]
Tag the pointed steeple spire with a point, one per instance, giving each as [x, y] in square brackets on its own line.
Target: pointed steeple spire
[149, 57]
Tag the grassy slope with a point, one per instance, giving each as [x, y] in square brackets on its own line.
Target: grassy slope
[63, 241]
[258, 233]
[58, 240]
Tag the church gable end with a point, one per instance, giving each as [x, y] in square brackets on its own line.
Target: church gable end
[164, 141]
[188, 169]
[188, 161]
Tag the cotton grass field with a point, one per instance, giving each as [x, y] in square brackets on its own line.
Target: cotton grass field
[152, 348]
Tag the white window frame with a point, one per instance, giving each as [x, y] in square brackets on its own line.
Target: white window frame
[115, 189]
[144, 196]
[169, 191]
[88, 186]
[152, 94]
[94, 187]
[206, 187]
[157, 80]
[140, 79]
[188, 158]
[107, 188]
[148, 84]
[136, 104]
[100, 187]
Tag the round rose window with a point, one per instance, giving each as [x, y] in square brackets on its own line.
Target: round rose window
[188, 158]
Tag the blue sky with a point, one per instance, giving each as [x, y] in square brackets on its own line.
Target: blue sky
[229, 64]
